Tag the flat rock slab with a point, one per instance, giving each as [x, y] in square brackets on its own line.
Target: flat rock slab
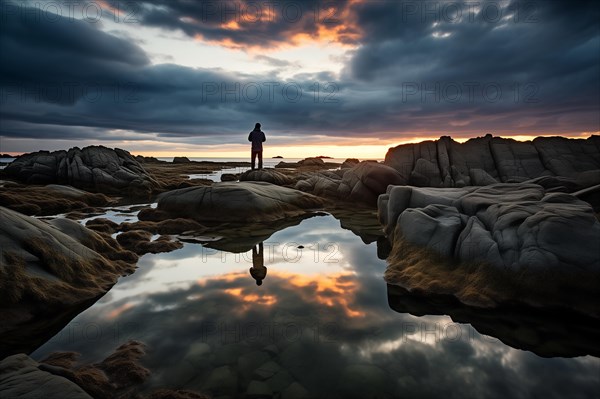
[237, 202]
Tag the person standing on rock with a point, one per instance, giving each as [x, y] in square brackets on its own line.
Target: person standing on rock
[257, 137]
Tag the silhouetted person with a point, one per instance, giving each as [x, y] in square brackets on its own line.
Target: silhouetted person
[257, 137]
[258, 270]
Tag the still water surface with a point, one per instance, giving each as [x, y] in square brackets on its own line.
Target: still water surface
[319, 324]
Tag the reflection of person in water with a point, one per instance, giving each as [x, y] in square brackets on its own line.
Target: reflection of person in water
[258, 269]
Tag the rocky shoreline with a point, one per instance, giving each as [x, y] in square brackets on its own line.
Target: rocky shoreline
[489, 223]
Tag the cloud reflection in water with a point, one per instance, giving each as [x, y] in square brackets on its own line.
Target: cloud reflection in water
[320, 319]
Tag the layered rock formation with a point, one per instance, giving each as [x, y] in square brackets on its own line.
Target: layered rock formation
[239, 202]
[94, 168]
[487, 160]
[515, 230]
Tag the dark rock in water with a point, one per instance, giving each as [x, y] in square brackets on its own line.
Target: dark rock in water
[230, 177]
[533, 240]
[143, 159]
[350, 162]
[94, 168]
[486, 160]
[309, 164]
[312, 162]
[266, 175]
[240, 202]
[278, 157]
[540, 331]
[181, 160]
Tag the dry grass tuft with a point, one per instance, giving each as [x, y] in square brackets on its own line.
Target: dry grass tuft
[36, 200]
[139, 242]
[102, 225]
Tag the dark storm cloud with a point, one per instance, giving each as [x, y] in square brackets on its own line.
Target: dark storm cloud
[529, 69]
[241, 23]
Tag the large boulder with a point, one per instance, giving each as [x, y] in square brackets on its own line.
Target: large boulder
[488, 160]
[519, 230]
[94, 168]
[364, 182]
[240, 202]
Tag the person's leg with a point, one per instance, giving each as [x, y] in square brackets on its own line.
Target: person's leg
[259, 159]
[253, 158]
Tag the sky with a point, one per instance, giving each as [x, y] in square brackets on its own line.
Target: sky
[338, 78]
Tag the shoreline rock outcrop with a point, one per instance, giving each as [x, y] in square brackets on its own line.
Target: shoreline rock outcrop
[94, 168]
[519, 235]
[488, 160]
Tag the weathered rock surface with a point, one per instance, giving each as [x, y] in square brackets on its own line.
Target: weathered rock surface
[507, 225]
[486, 160]
[323, 184]
[234, 202]
[518, 229]
[366, 181]
[94, 168]
[181, 160]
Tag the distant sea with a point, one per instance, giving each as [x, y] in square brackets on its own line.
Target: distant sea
[267, 162]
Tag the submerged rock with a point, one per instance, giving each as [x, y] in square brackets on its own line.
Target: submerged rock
[94, 168]
[517, 232]
[240, 202]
